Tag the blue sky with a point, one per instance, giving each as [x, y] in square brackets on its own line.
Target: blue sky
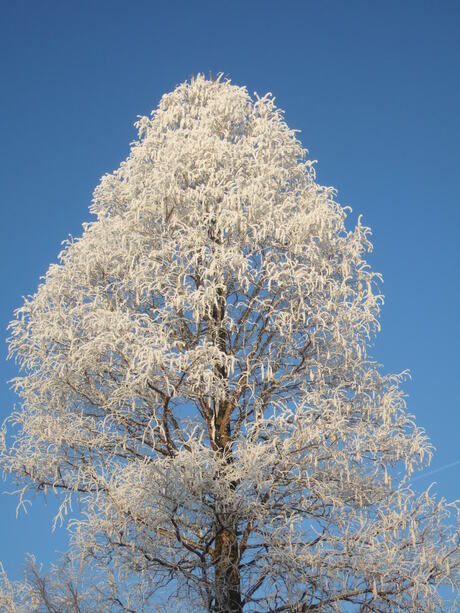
[374, 89]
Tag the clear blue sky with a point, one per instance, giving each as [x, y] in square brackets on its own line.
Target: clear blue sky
[374, 88]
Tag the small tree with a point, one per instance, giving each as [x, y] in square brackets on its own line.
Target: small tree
[195, 372]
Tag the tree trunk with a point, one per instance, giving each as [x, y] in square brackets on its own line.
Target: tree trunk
[227, 574]
[226, 546]
[227, 597]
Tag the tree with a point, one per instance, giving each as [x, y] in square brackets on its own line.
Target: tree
[195, 372]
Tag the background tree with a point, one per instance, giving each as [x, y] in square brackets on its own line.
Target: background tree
[195, 372]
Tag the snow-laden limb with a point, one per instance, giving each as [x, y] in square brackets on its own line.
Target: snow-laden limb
[195, 370]
[72, 586]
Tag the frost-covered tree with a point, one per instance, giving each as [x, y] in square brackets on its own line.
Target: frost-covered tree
[195, 371]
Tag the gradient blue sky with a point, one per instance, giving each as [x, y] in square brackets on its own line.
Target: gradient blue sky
[374, 88]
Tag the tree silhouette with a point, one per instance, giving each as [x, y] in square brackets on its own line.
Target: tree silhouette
[195, 371]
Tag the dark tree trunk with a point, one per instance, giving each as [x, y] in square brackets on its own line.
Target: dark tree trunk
[227, 575]
[227, 597]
